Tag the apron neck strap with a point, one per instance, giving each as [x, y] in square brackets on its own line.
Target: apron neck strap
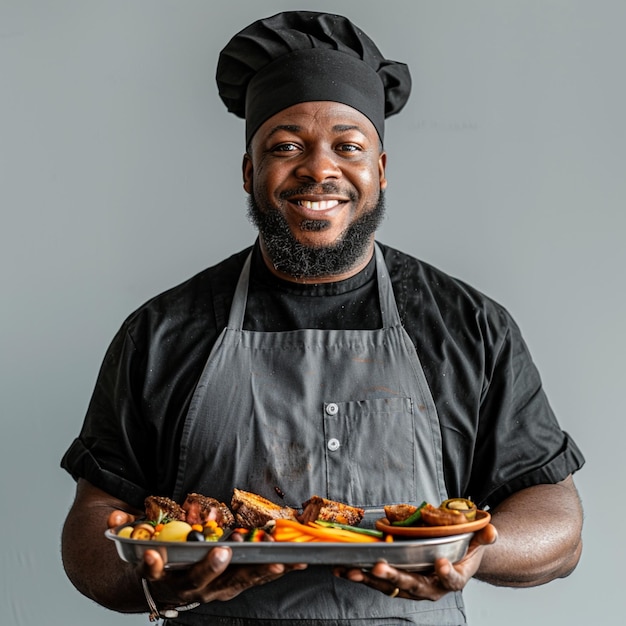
[238, 307]
[388, 307]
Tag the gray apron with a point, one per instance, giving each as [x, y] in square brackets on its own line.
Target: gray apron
[343, 414]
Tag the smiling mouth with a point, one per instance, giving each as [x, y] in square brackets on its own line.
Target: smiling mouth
[322, 205]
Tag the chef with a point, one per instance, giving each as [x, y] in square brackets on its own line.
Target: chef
[320, 361]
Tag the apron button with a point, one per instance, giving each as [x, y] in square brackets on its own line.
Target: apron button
[332, 409]
[333, 444]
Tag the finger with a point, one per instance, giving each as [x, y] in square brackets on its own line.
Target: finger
[450, 577]
[152, 567]
[386, 579]
[208, 569]
[454, 577]
[480, 540]
[198, 582]
[349, 573]
[238, 579]
[118, 517]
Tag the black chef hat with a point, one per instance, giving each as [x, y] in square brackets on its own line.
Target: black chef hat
[302, 56]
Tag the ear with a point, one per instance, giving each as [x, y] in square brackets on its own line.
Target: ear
[247, 169]
[382, 164]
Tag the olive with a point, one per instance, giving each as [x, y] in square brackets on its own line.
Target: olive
[195, 535]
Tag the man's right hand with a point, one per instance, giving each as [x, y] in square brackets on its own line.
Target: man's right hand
[208, 580]
[93, 565]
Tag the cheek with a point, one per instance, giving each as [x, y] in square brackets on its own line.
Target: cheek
[368, 181]
[266, 179]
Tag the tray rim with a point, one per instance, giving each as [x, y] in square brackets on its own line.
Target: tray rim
[284, 545]
[400, 553]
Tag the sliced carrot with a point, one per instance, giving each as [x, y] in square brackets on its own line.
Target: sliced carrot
[289, 530]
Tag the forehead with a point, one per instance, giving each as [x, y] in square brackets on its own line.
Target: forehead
[323, 117]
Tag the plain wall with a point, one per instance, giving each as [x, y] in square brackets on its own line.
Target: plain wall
[120, 177]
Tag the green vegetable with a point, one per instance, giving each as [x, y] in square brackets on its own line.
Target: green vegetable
[255, 535]
[162, 519]
[364, 531]
[412, 519]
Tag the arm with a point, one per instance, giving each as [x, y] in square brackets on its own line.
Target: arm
[539, 536]
[90, 560]
[94, 567]
[538, 532]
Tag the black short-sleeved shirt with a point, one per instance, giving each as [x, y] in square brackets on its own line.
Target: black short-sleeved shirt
[499, 432]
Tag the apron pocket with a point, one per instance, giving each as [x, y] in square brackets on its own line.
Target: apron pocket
[370, 451]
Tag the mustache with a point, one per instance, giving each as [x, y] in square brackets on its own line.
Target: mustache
[316, 189]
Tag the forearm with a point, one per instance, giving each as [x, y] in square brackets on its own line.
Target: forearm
[91, 561]
[539, 537]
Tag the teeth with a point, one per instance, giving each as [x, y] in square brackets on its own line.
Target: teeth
[318, 206]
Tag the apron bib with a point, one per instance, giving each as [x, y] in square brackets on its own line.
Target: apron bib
[343, 414]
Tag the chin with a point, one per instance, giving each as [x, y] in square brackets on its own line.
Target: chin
[309, 253]
[317, 242]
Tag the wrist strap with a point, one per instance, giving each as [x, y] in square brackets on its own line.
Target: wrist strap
[166, 613]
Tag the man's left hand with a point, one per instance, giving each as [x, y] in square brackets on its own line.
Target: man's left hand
[446, 576]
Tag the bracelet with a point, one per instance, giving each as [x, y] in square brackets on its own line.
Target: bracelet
[167, 613]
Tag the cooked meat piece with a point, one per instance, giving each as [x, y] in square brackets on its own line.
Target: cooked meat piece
[160, 507]
[399, 512]
[253, 511]
[317, 507]
[200, 509]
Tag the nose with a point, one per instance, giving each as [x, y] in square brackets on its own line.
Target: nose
[318, 164]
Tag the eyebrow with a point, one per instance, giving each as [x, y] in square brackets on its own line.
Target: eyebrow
[294, 128]
[342, 128]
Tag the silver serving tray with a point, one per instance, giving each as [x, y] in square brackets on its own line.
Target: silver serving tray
[413, 555]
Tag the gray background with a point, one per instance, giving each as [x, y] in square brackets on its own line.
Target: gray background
[120, 177]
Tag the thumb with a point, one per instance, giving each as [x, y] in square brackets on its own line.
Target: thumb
[486, 535]
[152, 566]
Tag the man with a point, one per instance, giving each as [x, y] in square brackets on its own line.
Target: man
[320, 362]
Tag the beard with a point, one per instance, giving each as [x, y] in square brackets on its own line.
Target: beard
[291, 257]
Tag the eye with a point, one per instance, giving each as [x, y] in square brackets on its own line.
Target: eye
[349, 147]
[285, 147]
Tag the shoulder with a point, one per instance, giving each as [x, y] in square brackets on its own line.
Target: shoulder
[198, 303]
[428, 292]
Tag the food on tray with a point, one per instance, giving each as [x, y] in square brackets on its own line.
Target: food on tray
[465, 506]
[405, 514]
[318, 508]
[201, 509]
[200, 518]
[399, 512]
[159, 508]
[254, 511]
[450, 512]
[436, 516]
[290, 530]
[253, 535]
[171, 530]
[176, 530]
[252, 517]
